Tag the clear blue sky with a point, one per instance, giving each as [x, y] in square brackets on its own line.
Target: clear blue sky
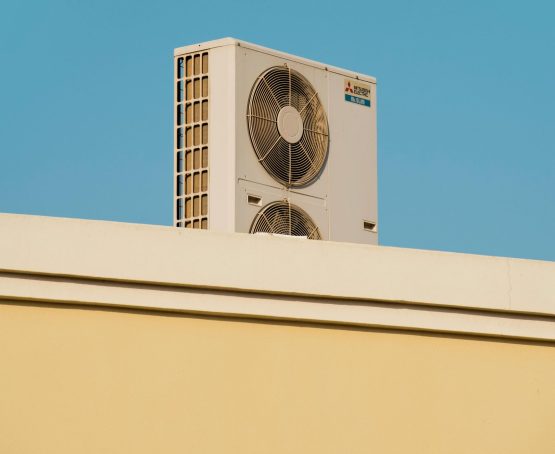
[466, 108]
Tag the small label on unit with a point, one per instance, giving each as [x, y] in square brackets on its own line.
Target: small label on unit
[357, 92]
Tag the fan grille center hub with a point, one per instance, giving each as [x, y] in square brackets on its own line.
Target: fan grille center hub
[290, 124]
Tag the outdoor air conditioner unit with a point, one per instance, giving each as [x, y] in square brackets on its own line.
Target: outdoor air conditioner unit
[269, 142]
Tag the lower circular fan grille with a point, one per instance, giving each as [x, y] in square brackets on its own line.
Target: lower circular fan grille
[285, 219]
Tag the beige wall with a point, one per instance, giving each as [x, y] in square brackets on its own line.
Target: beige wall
[120, 338]
[91, 380]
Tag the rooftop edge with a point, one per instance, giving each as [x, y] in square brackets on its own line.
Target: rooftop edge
[272, 265]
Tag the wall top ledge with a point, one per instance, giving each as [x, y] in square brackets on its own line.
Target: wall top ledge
[274, 265]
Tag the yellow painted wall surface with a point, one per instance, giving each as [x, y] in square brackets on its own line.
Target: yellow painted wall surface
[81, 380]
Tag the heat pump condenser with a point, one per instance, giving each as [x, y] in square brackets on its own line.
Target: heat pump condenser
[269, 142]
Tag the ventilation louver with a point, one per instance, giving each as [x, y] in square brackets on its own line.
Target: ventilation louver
[287, 125]
[191, 129]
[285, 219]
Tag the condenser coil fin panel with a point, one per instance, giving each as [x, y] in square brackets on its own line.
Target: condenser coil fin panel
[191, 140]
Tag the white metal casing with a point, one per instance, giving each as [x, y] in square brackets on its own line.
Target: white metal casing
[344, 195]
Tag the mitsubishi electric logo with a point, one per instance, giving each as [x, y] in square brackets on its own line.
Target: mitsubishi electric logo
[357, 92]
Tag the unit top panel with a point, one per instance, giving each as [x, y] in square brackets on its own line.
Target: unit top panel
[235, 42]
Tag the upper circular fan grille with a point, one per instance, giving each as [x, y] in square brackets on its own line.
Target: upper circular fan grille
[287, 126]
[285, 219]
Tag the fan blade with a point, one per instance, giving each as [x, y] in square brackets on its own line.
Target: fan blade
[270, 149]
[271, 92]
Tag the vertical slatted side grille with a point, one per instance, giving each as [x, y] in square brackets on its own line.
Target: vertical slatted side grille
[191, 141]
